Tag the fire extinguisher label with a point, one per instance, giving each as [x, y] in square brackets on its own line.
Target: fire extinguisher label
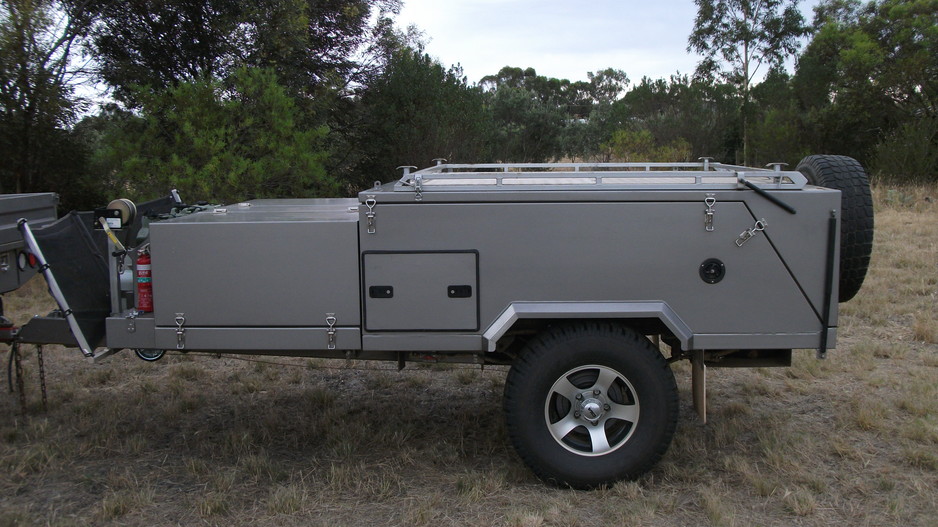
[144, 284]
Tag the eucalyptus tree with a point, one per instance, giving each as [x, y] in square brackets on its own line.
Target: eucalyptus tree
[313, 46]
[38, 76]
[737, 38]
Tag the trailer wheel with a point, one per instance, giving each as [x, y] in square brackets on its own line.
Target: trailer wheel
[590, 404]
[856, 218]
[149, 354]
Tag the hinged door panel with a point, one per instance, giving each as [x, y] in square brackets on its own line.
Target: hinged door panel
[421, 291]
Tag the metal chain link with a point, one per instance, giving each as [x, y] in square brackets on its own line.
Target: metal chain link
[42, 376]
[15, 350]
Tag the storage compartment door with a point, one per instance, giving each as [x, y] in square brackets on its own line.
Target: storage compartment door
[421, 291]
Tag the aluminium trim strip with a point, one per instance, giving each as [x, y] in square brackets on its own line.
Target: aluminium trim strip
[626, 310]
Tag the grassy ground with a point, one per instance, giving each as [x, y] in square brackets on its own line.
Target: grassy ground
[200, 440]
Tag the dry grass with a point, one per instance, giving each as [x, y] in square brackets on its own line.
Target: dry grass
[201, 440]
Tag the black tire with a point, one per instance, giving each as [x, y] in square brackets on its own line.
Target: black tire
[149, 354]
[856, 217]
[633, 417]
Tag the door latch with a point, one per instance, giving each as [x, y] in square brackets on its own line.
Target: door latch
[330, 332]
[710, 201]
[747, 234]
[180, 331]
[370, 203]
[418, 187]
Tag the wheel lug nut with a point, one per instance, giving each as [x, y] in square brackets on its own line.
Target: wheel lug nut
[576, 414]
[606, 407]
[579, 397]
[596, 392]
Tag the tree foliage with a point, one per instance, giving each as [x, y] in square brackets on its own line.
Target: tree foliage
[37, 100]
[640, 146]
[539, 118]
[887, 49]
[228, 100]
[681, 108]
[416, 112]
[225, 140]
[738, 37]
[310, 44]
[868, 82]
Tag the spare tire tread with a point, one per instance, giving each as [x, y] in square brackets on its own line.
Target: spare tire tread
[856, 223]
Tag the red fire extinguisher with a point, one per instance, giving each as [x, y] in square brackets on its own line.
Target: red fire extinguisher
[144, 284]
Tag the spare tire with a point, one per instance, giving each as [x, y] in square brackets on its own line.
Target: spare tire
[856, 214]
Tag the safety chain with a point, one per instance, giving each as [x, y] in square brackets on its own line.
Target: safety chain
[20, 387]
[16, 365]
[42, 376]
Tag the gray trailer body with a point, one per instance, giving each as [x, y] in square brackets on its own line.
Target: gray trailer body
[39, 209]
[561, 271]
[453, 267]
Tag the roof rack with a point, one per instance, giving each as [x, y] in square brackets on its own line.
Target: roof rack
[594, 176]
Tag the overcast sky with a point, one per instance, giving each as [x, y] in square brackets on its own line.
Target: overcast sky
[560, 38]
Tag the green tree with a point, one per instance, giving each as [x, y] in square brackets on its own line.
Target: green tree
[592, 118]
[776, 129]
[909, 154]
[312, 45]
[894, 48]
[323, 52]
[738, 37]
[639, 146]
[527, 128]
[37, 101]
[159, 44]
[699, 112]
[222, 140]
[539, 118]
[868, 82]
[417, 111]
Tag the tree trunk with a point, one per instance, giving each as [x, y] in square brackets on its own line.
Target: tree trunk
[746, 103]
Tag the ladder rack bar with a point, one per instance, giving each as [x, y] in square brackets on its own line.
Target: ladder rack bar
[611, 176]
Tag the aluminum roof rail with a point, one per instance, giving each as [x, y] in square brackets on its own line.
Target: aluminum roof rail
[595, 176]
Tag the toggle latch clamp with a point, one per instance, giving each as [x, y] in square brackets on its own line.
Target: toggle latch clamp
[180, 331]
[710, 201]
[370, 203]
[747, 234]
[330, 332]
[418, 187]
